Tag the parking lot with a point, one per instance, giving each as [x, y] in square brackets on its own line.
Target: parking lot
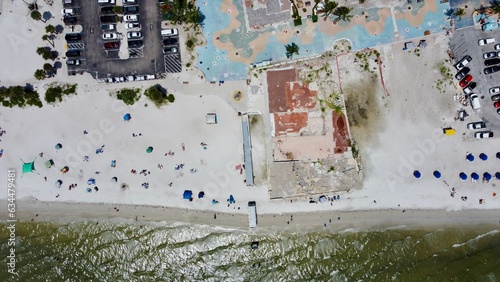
[144, 56]
[465, 42]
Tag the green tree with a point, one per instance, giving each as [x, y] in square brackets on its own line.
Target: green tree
[195, 16]
[50, 29]
[157, 94]
[291, 49]
[44, 52]
[342, 13]
[328, 8]
[459, 13]
[40, 74]
[47, 68]
[36, 15]
[48, 38]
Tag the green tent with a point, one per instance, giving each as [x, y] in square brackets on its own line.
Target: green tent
[29, 167]
[149, 150]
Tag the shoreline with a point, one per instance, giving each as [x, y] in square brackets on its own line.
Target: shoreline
[349, 220]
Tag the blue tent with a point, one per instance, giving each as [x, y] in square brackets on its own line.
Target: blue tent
[417, 174]
[91, 181]
[201, 195]
[231, 199]
[497, 175]
[127, 117]
[437, 174]
[474, 176]
[187, 194]
[498, 155]
[483, 156]
[470, 157]
[487, 176]
[463, 176]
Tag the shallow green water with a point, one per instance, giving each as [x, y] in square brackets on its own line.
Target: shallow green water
[112, 251]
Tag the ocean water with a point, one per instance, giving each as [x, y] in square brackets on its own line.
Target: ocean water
[127, 251]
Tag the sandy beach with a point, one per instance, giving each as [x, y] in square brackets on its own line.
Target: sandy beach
[334, 220]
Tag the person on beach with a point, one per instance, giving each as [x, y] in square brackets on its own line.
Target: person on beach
[183, 147]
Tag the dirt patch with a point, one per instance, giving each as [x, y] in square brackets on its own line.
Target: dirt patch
[363, 108]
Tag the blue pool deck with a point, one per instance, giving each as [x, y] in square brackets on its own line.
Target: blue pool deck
[216, 65]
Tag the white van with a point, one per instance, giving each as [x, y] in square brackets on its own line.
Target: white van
[474, 102]
[169, 32]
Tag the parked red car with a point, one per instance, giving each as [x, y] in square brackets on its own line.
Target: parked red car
[111, 45]
[465, 81]
[496, 104]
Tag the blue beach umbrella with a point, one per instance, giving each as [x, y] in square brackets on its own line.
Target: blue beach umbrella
[127, 117]
[417, 174]
[483, 156]
[470, 157]
[437, 174]
[474, 176]
[487, 176]
[463, 176]
[497, 175]
[498, 155]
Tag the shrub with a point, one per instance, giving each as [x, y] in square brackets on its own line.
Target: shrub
[19, 96]
[158, 96]
[129, 95]
[56, 93]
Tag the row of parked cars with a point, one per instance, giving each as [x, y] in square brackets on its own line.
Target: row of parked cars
[70, 16]
[170, 38]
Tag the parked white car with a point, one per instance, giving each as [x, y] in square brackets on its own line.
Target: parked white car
[134, 34]
[68, 12]
[494, 90]
[133, 26]
[130, 18]
[109, 35]
[128, 2]
[483, 42]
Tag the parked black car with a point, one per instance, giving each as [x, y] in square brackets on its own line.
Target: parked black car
[74, 53]
[72, 37]
[69, 20]
[462, 73]
[135, 43]
[170, 41]
[107, 10]
[491, 69]
[490, 62]
[131, 9]
[108, 19]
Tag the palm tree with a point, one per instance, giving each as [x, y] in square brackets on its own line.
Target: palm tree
[40, 74]
[495, 9]
[44, 52]
[47, 68]
[291, 49]
[36, 15]
[48, 38]
[50, 29]
[449, 13]
[328, 8]
[195, 16]
[342, 13]
[459, 12]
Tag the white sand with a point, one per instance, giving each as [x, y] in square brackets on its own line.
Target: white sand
[413, 112]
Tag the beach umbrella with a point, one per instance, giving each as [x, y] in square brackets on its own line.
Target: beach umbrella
[59, 183]
[487, 176]
[201, 195]
[463, 176]
[149, 149]
[91, 181]
[417, 174]
[89, 190]
[437, 174]
[483, 156]
[474, 176]
[114, 179]
[127, 117]
[498, 155]
[231, 199]
[58, 146]
[470, 157]
[497, 175]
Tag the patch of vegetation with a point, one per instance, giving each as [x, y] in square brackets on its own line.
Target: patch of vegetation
[20, 96]
[354, 149]
[158, 95]
[118, 9]
[447, 77]
[331, 102]
[128, 95]
[364, 58]
[56, 93]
